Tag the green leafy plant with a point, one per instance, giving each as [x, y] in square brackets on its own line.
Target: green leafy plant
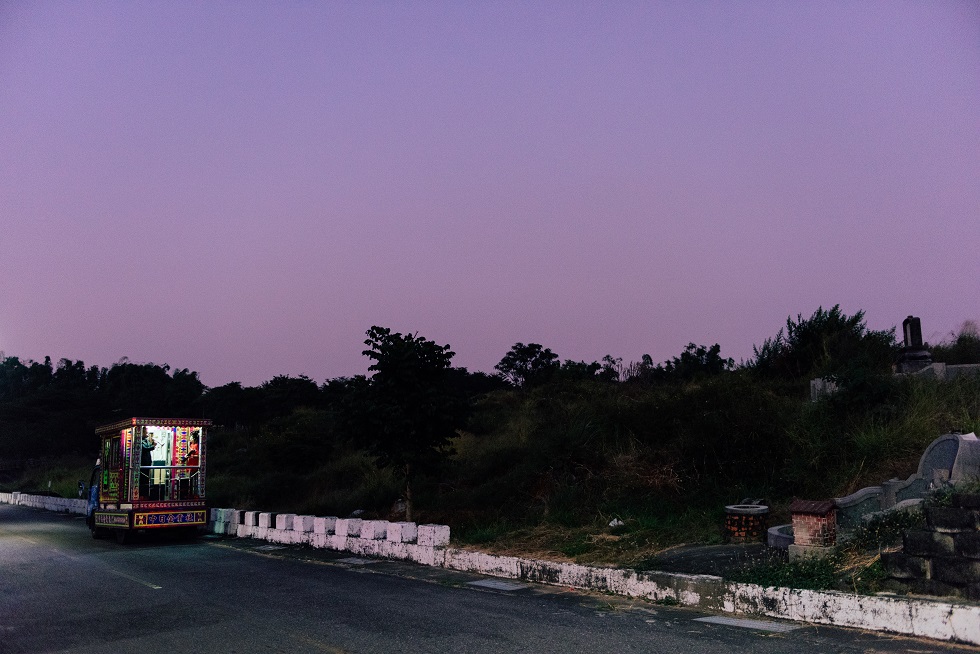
[810, 573]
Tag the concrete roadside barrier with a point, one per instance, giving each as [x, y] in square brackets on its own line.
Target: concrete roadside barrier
[58, 504]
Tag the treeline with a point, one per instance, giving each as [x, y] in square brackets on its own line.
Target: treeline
[48, 409]
[541, 439]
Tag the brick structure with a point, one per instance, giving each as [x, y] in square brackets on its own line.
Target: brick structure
[814, 523]
[746, 523]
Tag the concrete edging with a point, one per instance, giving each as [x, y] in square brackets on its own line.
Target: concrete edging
[59, 504]
[428, 545]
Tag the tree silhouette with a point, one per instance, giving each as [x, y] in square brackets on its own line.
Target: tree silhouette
[409, 410]
[529, 364]
[827, 344]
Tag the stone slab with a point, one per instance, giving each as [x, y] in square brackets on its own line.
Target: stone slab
[433, 535]
[746, 623]
[900, 565]
[924, 542]
[324, 525]
[968, 544]
[347, 527]
[402, 532]
[374, 529]
[952, 519]
[956, 572]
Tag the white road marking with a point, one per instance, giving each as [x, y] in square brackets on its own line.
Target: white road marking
[762, 625]
[139, 581]
[497, 585]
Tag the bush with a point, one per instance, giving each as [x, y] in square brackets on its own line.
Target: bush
[808, 574]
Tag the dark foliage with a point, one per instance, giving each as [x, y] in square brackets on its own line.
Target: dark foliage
[48, 411]
[962, 348]
[827, 344]
[528, 365]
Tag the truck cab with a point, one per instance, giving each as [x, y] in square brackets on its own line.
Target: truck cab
[150, 475]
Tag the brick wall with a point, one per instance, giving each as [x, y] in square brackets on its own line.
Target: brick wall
[741, 528]
[814, 523]
[815, 530]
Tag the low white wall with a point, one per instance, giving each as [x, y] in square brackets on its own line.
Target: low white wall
[429, 545]
[60, 504]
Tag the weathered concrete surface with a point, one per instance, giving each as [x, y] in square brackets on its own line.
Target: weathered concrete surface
[59, 504]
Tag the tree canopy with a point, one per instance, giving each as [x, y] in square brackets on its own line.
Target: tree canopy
[827, 344]
[528, 364]
[408, 411]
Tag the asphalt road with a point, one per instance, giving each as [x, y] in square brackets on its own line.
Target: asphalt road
[62, 591]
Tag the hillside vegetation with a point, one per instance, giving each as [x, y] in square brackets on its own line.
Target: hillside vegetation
[540, 457]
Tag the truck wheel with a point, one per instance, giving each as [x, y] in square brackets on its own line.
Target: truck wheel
[122, 536]
[98, 533]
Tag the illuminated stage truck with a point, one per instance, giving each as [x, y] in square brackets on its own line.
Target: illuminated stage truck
[149, 476]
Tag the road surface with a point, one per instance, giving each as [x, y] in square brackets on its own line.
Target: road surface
[62, 591]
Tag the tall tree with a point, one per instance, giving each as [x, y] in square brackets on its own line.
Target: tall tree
[409, 410]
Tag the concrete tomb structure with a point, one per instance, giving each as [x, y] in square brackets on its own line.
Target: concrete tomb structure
[916, 359]
[949, 459]
[914, 355]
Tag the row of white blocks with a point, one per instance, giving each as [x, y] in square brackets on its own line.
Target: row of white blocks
[380, 538]
[59, 504]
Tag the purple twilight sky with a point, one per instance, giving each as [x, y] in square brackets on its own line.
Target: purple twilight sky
[244, 188]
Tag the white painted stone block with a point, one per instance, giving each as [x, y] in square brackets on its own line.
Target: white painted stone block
[433, 535]
[428, 555]
[374, 529]
[284, 520]
[303, 523]
[324, 526]
[251, 518]
[402, 532]
[213, 515]
[348, 527]
[267, 521]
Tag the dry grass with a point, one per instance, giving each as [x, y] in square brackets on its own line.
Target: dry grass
[585, 545]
